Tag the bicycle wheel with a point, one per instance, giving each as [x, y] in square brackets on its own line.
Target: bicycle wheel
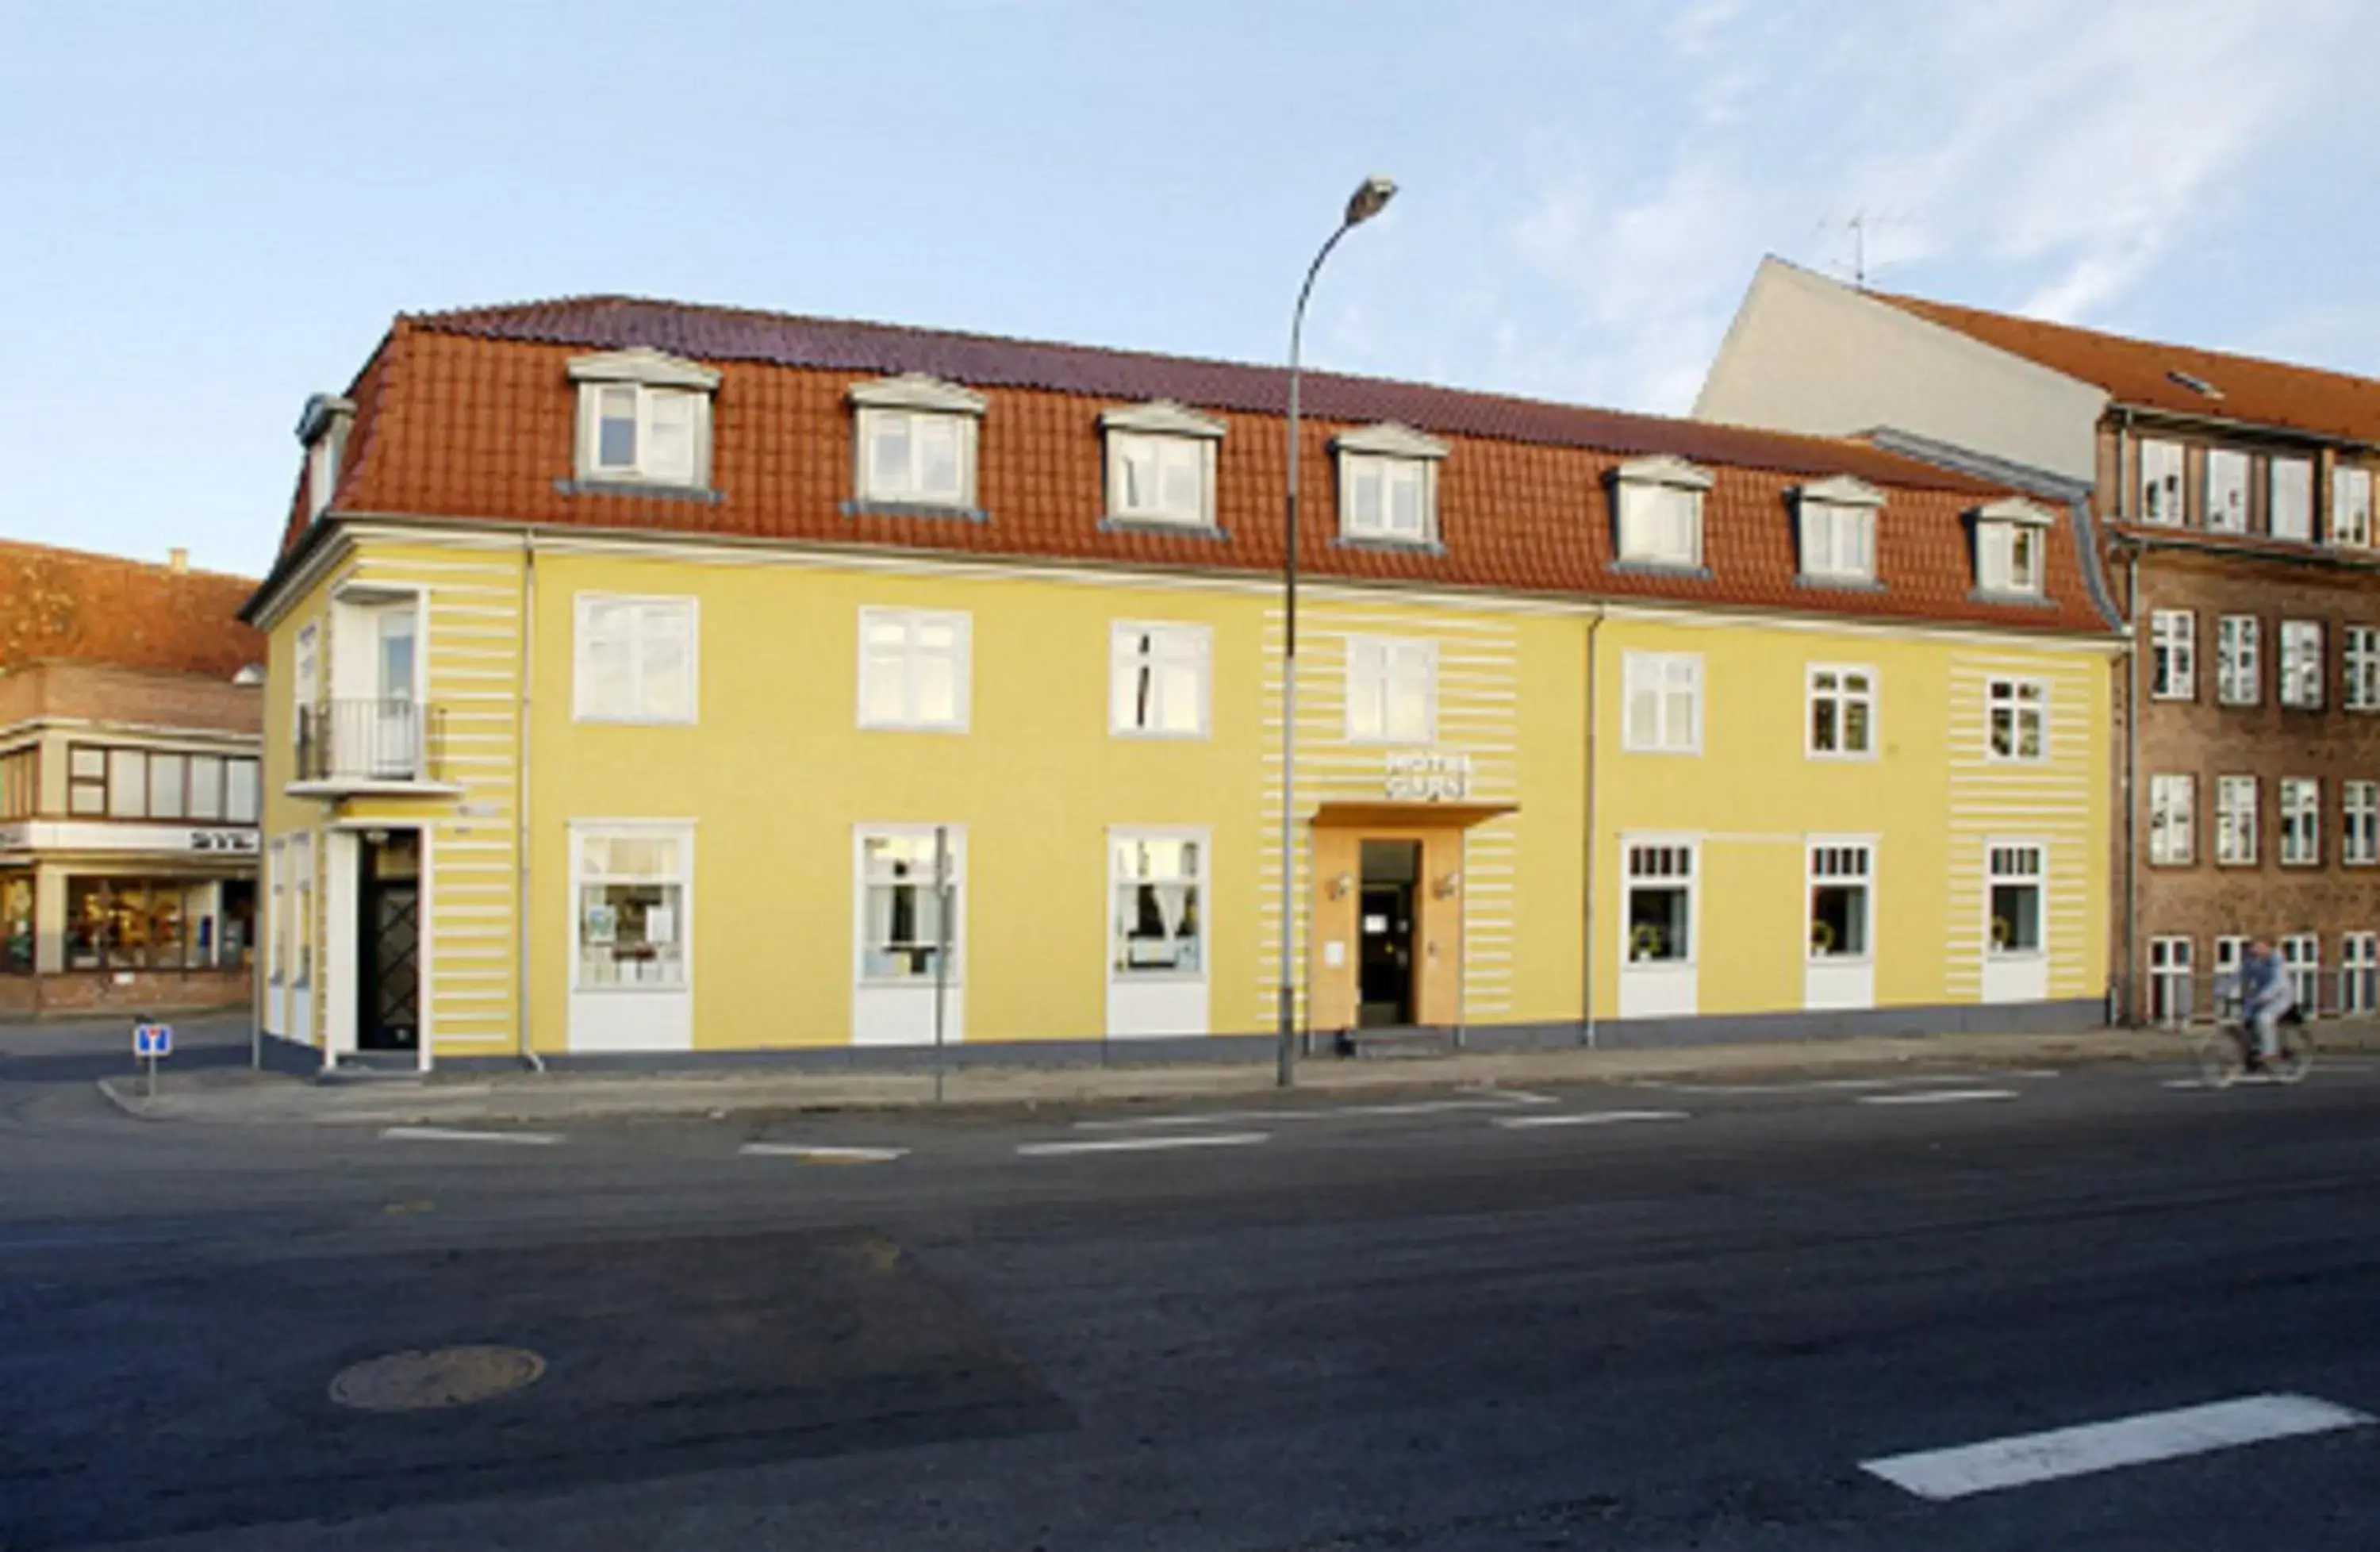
[2296, 1054]
[2221, 1056]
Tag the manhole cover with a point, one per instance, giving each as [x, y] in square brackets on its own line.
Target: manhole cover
[445, 1376]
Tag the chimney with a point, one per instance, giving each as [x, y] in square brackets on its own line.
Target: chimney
[177, 560]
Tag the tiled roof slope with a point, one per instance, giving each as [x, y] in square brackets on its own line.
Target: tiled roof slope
[71, 605]
[470, 414]
[2140, 373]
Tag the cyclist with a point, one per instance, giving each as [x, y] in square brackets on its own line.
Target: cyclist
[2262, 988]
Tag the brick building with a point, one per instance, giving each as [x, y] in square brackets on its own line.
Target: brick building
[129, 726]
[2238, 540]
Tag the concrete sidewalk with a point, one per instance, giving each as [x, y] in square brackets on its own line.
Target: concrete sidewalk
[245, 1097]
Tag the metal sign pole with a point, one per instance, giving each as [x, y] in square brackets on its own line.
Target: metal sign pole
[941, 947]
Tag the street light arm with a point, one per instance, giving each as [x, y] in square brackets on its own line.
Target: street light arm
[1297, 319]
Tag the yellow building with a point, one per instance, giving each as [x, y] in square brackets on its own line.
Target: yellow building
[649, 680]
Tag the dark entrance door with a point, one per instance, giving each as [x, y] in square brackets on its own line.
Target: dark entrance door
[388, 940]
[1385, 967]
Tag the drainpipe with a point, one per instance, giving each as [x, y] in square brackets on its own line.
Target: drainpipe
[528, 1056]
[2128, 982]
[1587, 914]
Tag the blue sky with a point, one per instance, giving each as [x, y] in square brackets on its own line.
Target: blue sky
[209, 210]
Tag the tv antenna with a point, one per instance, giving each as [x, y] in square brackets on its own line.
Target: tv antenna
[1861, 223]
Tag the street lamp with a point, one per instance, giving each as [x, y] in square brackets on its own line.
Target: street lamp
[1369, 199]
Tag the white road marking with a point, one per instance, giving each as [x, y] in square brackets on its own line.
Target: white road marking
[2131, 1441]
[1939, 1096]
[1812, 1085]
[1588, 1118]
[823, 1155]
[1517, 1096]
[1142, 1144]
[1219, 1118]
[455, 1135]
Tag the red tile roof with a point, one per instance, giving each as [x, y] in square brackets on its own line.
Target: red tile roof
[71, 605]
[2142, 373]
[469, 414]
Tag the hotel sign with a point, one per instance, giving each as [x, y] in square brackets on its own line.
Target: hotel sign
[1428, 776]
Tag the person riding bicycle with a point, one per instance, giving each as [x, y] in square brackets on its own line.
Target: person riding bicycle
[2262, 988]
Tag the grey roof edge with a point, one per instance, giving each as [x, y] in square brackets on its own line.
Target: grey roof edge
[2034, 480]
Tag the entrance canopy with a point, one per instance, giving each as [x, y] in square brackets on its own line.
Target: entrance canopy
[1407, 816]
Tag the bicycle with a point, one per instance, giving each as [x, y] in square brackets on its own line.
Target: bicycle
[2223, 1041]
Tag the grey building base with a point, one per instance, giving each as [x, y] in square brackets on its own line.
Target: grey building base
[278, 1054]
[2012, 1018]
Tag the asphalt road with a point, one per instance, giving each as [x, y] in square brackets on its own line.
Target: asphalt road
[1641, 1317]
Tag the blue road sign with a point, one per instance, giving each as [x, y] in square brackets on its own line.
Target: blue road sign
[153, 1039]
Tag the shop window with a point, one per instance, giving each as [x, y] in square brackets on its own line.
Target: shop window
[911, 887]
[2015, 882]
[136, 923]
[1660, 904]
[1159, 924]
[632, 906]
[1840, 876]
[16, 924]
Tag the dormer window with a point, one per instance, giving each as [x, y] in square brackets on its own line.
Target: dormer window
[1161, 465]
[323, 430]
[917, 438]
[1661, 512]
[2011, 539]
[1838, 521]
[644, 419]
[1388, 486]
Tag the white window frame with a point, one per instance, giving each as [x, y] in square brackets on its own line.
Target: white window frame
[1659, 503]
[907, 489]
[276, 934]
[1388, 451]
[643, 613]
[302, 915]
[2006, 531]
[1197, 880]
[2302, 649]
[2237, 799]
[1377, 665]
[1165, 431]
[2229, 473]
[2290, 489]
[1147, 648]
[2359, 822]
[1832, 683]
[651, 375]
[1846, 861]
[2173, 819]
[2302, 963]
[956, 843]
[2361, 662]
[2007, 695]
[2350, 507]
[913, 623]
[2358, 973]
[1661, 851]
[2173, 654]
[2170, 979]
[679, 830]
[2238, 660]
[1661, 675]
[2003, 864]
[2300, 805]
[2160, 492]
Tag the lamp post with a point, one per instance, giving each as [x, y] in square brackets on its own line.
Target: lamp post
[1370, 196]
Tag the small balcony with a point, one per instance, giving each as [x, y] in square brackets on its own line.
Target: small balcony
[369, 746]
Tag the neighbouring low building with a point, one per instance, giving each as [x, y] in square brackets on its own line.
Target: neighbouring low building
[2238, 542]
[650, 679]
[130, 696]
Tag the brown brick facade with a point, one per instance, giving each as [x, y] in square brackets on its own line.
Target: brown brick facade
[140, 991]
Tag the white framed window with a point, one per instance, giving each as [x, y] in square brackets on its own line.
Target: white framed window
[2227, 490]
[916, 440]
[1663, 714]
[2015, 880]
[644, 418]
[305, 678]
[2235, 821]
[1661, 914]
[276, 925]
[2291, 488]
[2170, 980]
[635, 659]
[1843, 712]
[241, 792]
[1160, 461]
[912, 902]
[2363, 664]
[1842, 878]
[2160, 482]
[2009, 540]
[2359, 826]
[301, 911]
[2016, 712]
[2173, 819]
[1838, 519]
[2301, 663]
[2239, 668]
[633, 882]
[1392, 690]
[1388, 485]
[2300, 821]
[1159, 680]
[2173, 654]
[2358, 973]
[2302, 961]
[914, 668]
[1661, 502]
[1157, 921]
[2350, 507]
